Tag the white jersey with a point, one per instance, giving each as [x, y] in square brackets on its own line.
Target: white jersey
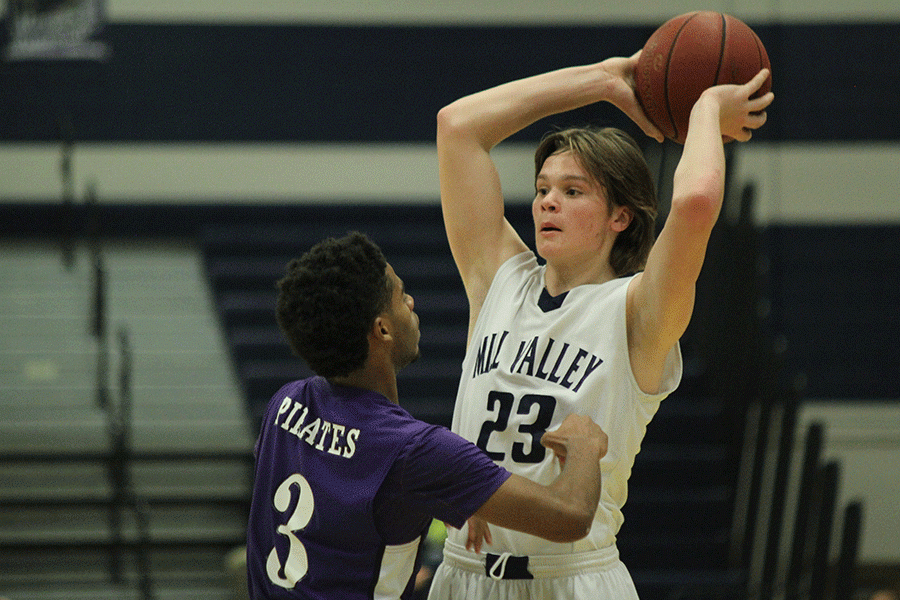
[525, 370]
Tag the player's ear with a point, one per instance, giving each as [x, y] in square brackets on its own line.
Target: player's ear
[381, 328]
[621, 218]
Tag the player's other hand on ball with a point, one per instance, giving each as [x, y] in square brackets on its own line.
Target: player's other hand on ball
[622, 95]
[575, 429]
[739, 112]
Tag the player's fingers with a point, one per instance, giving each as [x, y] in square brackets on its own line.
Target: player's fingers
[744, 135]
[478, 533]
[550, 438]
[756, 120]
[636, 114]
[758, 79]
[650, 129]
[473, 541]
[629, 104]
[641, 120]
[759, 104]
[558, 450]
[632, 64]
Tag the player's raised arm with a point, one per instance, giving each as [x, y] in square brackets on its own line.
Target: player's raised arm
[663, 295]
[469, 128]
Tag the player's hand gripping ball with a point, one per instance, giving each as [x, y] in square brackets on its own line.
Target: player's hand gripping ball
[688, 54]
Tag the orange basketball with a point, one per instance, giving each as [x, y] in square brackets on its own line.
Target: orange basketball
[688, 54]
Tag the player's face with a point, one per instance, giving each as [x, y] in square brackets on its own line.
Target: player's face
[571, 214]
[405, 323]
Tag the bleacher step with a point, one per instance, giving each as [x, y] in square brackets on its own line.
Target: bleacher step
[191, 441]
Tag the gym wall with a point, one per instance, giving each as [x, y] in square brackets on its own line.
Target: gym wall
[223, 102]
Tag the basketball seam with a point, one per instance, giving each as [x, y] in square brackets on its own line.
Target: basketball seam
[722, 39]
[675, 132]
[759, 52]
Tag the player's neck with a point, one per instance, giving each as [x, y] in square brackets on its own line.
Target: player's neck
[560, 278]
[372, 377]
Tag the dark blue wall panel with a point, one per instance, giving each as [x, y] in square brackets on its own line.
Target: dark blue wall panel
[836, 292]
[385, 84]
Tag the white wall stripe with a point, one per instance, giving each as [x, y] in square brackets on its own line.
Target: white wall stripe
[797, 183]
[499, 12]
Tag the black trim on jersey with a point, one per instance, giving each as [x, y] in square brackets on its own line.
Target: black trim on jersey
[547, 302]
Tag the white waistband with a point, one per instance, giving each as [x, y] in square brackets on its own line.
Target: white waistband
[546, 565]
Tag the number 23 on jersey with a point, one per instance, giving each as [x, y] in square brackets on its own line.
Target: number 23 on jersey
[530, 450]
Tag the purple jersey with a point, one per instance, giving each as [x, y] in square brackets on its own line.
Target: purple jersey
[346, 486]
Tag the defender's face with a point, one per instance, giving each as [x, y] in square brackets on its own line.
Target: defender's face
[405, 323]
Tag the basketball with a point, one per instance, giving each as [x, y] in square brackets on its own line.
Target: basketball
[688, 54]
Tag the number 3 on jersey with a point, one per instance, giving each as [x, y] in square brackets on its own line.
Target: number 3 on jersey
[296, 565]
[503, 403]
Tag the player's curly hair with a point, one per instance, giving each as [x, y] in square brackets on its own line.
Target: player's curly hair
[329, 299]
[615, 160]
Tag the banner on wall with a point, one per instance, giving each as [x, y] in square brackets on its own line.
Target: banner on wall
[55, 30]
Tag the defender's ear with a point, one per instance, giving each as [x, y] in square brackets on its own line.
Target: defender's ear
[381, 328]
